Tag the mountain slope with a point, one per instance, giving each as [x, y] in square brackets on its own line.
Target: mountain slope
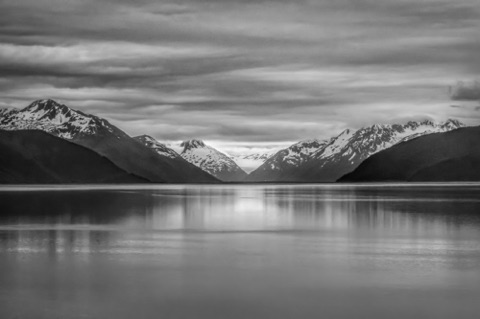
[450, 156]
[158, 147]
[104, 138]
[38, 157]
[211, 160]
[283, 164]
[343, 153]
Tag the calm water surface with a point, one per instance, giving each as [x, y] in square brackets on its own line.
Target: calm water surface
[301, 251]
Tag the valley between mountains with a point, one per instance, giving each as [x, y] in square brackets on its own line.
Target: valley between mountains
[48, 142]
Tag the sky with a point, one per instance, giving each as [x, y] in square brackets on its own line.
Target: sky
[244, 75]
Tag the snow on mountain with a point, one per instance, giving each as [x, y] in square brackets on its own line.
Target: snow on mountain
[370, 140]
[57, 119]
[158, 147]
[309, 160]
[328, 160]
[7, 111]
[442, 157]
[249, 162]
[211, 160]
[105, 139]
[293, 156]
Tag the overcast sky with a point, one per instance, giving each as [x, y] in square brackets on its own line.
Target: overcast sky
[251, 72]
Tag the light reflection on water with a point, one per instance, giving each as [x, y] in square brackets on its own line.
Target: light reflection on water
[240, 251]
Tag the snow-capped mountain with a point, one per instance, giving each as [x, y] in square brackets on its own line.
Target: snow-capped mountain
[328, 160]
[6, 111]
[442, 157]
[158, 147]
[211, 160]
[57, 119]
[104, 138]
[288, 158]
[251, 161]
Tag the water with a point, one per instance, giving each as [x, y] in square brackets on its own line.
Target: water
[300, 251]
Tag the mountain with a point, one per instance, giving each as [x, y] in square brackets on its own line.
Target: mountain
[59, 120]
[37, 157]
[450, 156]
[158, 147]
[7, 111]
[281, 165]
[328, 160]
[104, 138]
[211, 160]
[251, 161]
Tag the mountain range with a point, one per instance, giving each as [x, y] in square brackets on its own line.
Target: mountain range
[105, 139]
[328, 160]
[144, 158]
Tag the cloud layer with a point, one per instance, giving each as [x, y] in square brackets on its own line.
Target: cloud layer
[241, 73]
[469, 91]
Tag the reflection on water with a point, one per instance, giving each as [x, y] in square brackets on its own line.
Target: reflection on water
[240, 251]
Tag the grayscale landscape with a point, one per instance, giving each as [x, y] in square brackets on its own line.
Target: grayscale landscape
[239, 159]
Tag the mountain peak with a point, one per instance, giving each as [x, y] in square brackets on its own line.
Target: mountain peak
[57, 119]
[377, 126]
[46, 104]
[49, 109]
[308, 141]
[211, 160]
[187, 145]
[453, 122]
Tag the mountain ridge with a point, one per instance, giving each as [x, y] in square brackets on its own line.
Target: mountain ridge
[447, 156]
[158, 147]
[312, 160]
[340, 154]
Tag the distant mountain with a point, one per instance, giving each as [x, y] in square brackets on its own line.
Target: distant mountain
[281, 164]
[328, 160]
[251, 161]
[211, 160]
[104, 138]
[450, 156]
[37, 157]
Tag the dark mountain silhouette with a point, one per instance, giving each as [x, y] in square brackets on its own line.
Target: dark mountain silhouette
[38, 157]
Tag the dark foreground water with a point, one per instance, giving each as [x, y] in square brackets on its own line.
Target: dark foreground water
[310, 251]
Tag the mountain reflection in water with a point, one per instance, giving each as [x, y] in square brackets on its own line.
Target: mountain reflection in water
[245, 251]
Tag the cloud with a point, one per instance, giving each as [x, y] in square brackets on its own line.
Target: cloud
[466, 91]
[242, 72]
